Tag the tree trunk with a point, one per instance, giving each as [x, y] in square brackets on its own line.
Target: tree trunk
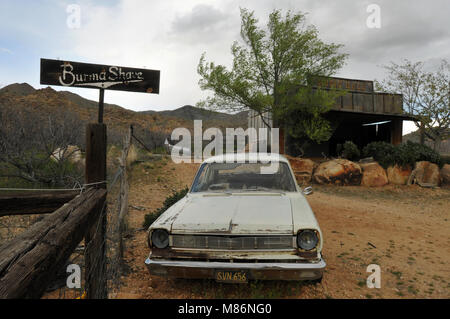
[422, 134]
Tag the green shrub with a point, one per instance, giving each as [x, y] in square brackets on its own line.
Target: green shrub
[169, 201]
[382, 152]
[410, 152]
[350, 151]
[405, 154]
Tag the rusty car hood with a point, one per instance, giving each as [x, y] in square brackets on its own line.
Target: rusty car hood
[246, 213]
[250, 213]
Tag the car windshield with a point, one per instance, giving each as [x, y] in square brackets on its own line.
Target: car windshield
[242, 177]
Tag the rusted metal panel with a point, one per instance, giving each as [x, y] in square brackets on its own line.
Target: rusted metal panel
[362, 102]
[372, 103]
[343, 84]
[337, 103]
[358, 105]
[378, 103]
[398, 104]
[388, 103]
[367, 101]
[347, 102]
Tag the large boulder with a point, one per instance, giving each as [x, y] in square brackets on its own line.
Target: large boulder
[373, 175]
[338, 171]
[398, 175]
[71, 153]
[303, 169]
[425, 174]
[445, 174]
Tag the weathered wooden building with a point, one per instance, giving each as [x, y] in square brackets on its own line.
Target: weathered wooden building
[361, 116]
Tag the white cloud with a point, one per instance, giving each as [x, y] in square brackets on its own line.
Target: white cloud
[201, 25]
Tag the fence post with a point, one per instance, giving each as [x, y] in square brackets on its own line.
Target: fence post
[124, 189]
[95, 237]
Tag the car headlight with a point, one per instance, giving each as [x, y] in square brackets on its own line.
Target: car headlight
[160, 238]
[307, 239]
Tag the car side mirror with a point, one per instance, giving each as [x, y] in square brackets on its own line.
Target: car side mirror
[307, 190]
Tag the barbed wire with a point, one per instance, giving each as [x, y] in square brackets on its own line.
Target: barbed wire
[82, 188]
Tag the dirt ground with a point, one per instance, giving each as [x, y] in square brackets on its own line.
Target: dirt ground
[403, 229]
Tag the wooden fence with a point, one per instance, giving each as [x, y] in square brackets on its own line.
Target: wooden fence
[34, 203]
[29, 262]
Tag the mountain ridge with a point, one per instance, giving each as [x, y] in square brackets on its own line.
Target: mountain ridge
[190, 112]
[23, 95]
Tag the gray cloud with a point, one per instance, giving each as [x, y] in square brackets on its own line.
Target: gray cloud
[201, 25]
[413, 31]
[171, 35]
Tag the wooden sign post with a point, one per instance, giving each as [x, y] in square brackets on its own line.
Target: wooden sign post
[102, 77]
[95, 249]
[99, 76]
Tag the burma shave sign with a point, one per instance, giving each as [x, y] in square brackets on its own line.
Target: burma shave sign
[98, 76]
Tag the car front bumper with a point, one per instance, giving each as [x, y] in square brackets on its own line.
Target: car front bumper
[260, 270]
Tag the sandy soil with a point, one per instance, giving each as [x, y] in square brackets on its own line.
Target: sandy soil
[404, 229]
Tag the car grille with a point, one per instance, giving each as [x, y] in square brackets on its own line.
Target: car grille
[232, 242]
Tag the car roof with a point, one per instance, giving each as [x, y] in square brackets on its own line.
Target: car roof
[246, 157]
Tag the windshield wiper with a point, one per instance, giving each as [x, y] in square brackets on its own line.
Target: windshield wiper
[262, 189]
[258, 188]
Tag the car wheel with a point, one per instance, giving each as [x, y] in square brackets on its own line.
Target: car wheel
[317, 281]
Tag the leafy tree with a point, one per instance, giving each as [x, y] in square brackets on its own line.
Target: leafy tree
[426, 95]
[273, 70]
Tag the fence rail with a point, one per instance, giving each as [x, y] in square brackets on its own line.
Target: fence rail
[28, 262]
[34, 203]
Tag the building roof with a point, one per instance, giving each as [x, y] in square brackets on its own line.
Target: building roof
[374, 116]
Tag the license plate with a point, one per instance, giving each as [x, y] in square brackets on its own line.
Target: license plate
[232, 276]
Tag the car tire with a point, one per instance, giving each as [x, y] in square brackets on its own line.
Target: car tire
[317, 281]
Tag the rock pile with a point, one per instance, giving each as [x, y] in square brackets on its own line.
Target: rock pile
[339, 172]
[367, 173]
[373, 175]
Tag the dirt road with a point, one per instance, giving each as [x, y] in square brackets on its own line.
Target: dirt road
[404, 229]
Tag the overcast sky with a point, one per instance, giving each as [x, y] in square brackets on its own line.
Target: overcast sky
[171, 35]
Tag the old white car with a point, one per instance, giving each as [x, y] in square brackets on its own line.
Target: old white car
[239, 223]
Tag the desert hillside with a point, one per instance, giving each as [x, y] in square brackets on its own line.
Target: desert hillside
[43, 102]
